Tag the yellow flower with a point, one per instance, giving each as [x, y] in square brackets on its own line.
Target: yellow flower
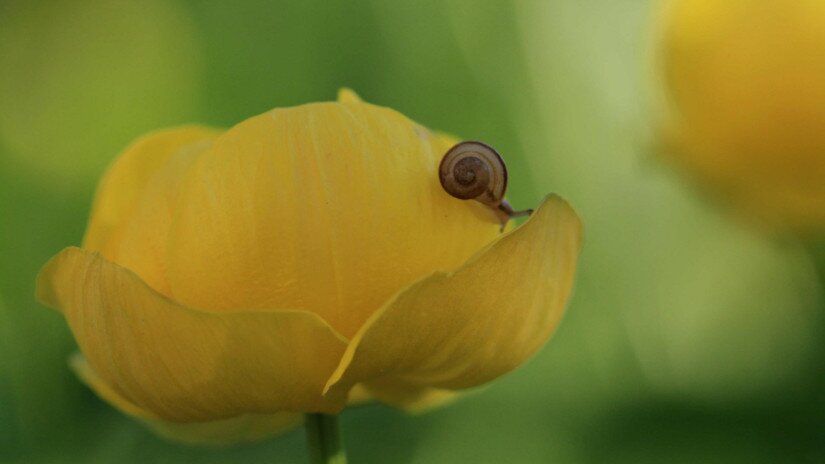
[229, 282]
[745, 81]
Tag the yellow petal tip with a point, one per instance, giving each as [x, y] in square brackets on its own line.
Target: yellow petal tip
[44, 290]
[347, 95]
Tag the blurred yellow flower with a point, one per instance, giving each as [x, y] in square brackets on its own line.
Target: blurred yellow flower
[230, 281]
[745, 86]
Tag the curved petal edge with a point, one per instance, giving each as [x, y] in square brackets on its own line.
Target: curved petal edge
[238, 429]
[184, 364]
[462, 329]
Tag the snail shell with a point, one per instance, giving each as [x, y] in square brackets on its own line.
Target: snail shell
[474, 171]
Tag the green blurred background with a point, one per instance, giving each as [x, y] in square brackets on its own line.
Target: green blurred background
[691, 338]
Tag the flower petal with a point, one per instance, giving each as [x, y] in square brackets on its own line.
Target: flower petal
[327, 207]
[238, 429]
[347, 95]
[184, 364]
[142, 245]
[463, 329]
[123, 184]
[744, 104]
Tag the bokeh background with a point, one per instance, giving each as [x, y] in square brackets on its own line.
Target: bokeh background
[692, 337]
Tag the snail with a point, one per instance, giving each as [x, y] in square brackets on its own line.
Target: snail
[475, 171]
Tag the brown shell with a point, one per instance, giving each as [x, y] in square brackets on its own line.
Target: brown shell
[474, 170]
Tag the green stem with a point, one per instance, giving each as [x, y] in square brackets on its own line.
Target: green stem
[324, 440]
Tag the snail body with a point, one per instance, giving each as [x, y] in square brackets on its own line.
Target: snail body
[473, 170]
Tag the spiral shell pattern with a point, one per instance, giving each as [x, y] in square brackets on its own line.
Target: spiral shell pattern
[474, 171]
